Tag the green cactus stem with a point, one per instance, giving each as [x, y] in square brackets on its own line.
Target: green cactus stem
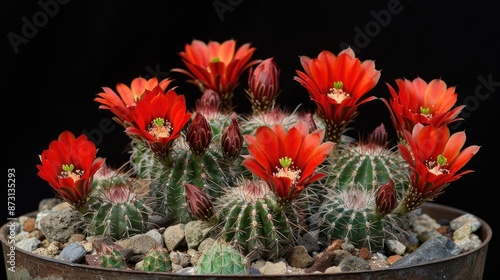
[251, 218]
[110, 257]
[350, 215]
[157, 259]
[119, 210]
[221, 259]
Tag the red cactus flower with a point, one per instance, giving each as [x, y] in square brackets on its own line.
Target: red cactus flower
[216, 66]
[232, 141]
[199, 203]
[263, 85]
[158, 119]
[436, 159]
[69, 166]
[286, 160]
[420, 102]
[127, 96]
[337, 85]
[199, 134]
[386, 198]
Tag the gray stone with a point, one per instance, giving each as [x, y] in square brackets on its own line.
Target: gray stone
[458, 222]
[300, 258]
[310, 241]
[156, 236]
[435, 248]
[353, 263]
[60, 225]
[73, 253]
[195, 232]
[139, 244]
[28, 244]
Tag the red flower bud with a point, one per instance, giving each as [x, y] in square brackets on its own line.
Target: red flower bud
[263, 84]
[232, 141]
[209, 104]
[199, 134]
[386, 198]
[199, 203]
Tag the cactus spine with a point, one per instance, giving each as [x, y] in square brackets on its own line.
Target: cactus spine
[157, 259]
[222, 259]
[110, 257]
[349, 215]
[252, 219]
[349, 209]
[119, 209]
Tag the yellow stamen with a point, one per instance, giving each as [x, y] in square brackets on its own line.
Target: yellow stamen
[160, 128]
[336, 93]
[426, 112]
[286, 171]
[436, 167]
[68, 170]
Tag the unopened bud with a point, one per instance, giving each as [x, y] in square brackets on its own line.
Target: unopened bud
[199, 134]
[199, 203]
[263, 85]
[386, 198]
[232, 141]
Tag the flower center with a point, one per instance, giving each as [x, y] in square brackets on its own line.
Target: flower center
[160, 128]
[213, 60]
[336, 93]
[436, 167]
[287, 171]
[68, 170]
[426, 112]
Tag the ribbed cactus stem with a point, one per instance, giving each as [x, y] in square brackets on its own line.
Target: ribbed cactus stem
[253, 220]
[111, 258]
[118, 209]
[369, 166]
[203, 171]
[119, 220]
[157, 259]
[351, 215]
[221, 259]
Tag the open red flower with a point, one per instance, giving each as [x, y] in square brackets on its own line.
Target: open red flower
[127, 96]
[158, 118]
[216, 66]
[286, 160]
[69, 166]
[436, 158]
[337, 85]
[420, 102]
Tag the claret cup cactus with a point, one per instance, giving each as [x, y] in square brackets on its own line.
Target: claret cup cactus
[261, 179]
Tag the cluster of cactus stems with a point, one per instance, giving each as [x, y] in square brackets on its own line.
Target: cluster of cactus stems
[267, 176]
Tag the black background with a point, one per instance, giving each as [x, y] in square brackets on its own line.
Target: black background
[49, 79]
